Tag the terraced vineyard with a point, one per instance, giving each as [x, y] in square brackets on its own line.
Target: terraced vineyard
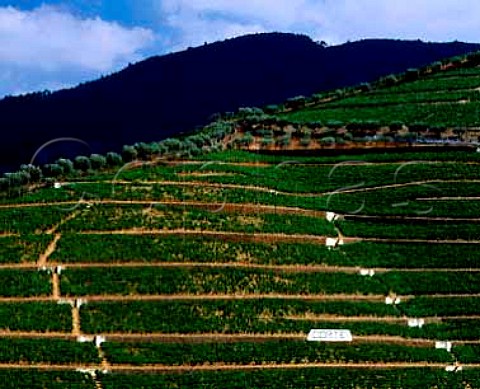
[191, 274]
[447, 98]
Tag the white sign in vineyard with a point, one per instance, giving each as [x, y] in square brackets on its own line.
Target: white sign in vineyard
[318, 335]
[444, 345]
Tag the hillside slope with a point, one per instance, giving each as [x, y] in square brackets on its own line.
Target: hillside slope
[161, 96]
[194, 274]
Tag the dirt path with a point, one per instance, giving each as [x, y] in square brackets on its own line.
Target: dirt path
[278, 192]
[43, 258]
[446, 198]
[206, 297]
[341, 319]
[306, 297]
[283, 366]
[233, 236]
[295, 163]
[76, 329]
[411, 218]
[105, 365]
[8, 234]
[261, 208]
[453, 295]
[228, 207]
[281, 268]
[292, 268]
[227, 235]
[55, 286]
[429, 241]
[222, 367]
[271, 237]
[36, 334]
[198, 297]
[221, 337]
[66, 219]
[256, 338]
[393, 186]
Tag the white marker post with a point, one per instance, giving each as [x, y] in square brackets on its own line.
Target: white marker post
[444, 345]
[320, 335]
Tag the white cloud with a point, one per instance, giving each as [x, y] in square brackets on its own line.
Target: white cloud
[50, 39]
[334, 21]
[50, 48]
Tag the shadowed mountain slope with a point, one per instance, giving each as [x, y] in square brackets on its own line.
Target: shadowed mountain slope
[163, 96]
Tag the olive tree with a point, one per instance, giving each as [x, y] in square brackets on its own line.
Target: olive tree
[82, 163]
[114, 159]
[98, 161]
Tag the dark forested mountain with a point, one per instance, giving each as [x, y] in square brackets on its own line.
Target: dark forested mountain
[162, 96]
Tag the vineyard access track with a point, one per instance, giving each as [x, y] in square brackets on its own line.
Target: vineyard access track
[210, 297]
[253, 188]
[243, 265]
[229, 367]
[293, 162]
[215, 206]
[221, 338]
[269, 237]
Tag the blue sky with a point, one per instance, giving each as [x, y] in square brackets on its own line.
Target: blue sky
[52, 44]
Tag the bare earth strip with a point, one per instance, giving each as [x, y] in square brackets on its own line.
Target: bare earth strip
[270, 237]
[55, 286]
[192, 297]
[228, 207]
[223, 367]
[447, 198]
[66, 219]
[42, 260]
[76, 330]
[295, 163]
[429, 241]
[294, 268]
[399, 185]
[273, 191]
[253, 188]
[230, 235]
[410, 218]
[281, 268]
[231, 367]
[200, 297]
[220, 337]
